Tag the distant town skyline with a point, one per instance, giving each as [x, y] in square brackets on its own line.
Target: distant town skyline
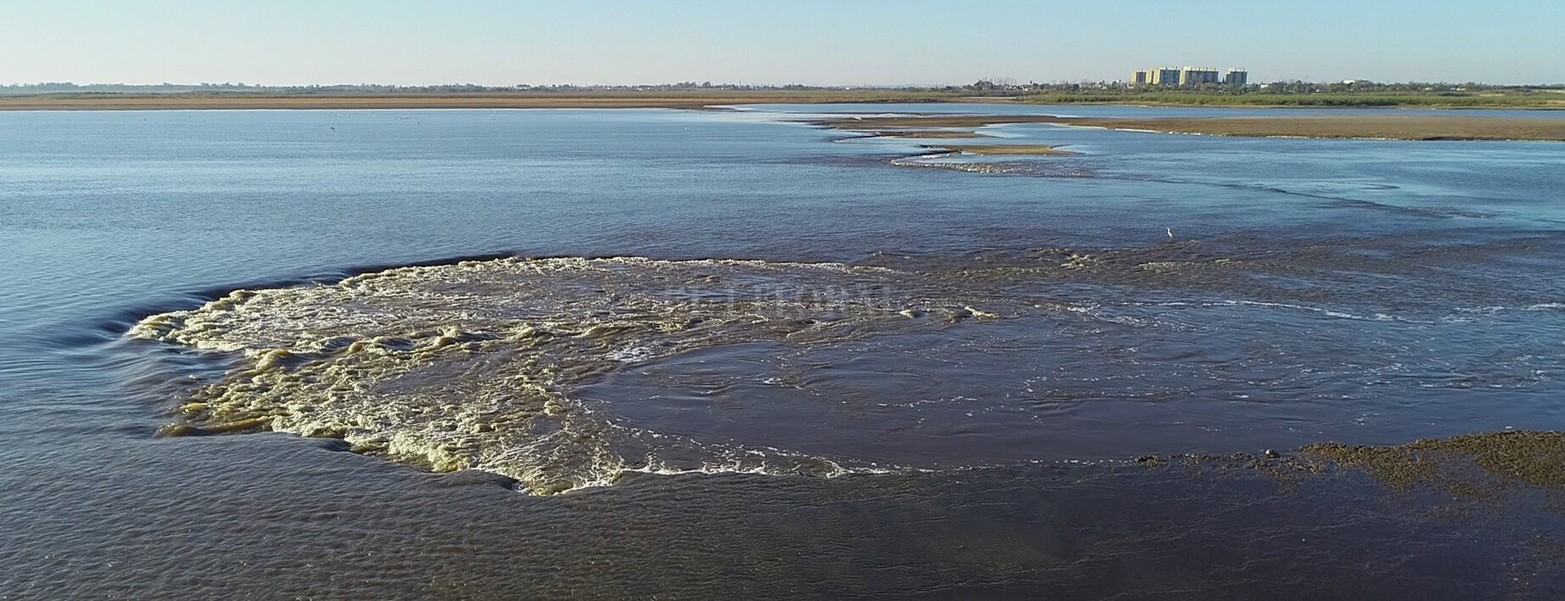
[1189, 76]
[811, 42]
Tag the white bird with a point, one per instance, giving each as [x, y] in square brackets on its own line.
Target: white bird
[1170, 231]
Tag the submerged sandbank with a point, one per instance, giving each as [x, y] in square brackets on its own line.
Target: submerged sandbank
[1467, 465]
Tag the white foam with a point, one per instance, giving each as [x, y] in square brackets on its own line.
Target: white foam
[470, 366]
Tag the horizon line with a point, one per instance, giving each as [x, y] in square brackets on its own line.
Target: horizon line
[708, 83]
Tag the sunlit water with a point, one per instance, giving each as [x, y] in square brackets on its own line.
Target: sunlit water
[817, 367]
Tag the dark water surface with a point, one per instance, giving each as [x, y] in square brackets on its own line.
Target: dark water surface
[816, 368]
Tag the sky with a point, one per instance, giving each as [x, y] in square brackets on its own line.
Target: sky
[817, 42]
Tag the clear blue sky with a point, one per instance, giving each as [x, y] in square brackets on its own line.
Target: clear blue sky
[778, 41]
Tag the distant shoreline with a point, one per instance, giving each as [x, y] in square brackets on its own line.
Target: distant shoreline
[691, 101]
[1389, 126]
[698, 100]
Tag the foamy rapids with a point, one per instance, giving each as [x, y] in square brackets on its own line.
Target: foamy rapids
[470, 366]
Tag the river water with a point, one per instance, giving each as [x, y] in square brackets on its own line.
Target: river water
[682, 354]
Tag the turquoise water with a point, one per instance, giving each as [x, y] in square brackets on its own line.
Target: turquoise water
[1154, 294]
